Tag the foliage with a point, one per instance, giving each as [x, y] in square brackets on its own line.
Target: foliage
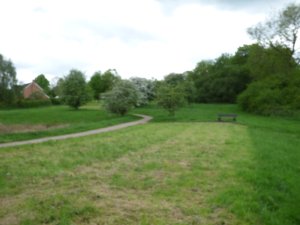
[281, 30]
[171, 98]
[121, 98]
[174, 79]
[31, 103]
[185, 83]
[262, 76]
[75, 90]
[57, 88]
[275, 95]
[7, 81]
[101, 83]
[109, 79]
[145, 89]
[43, 82]
[274, 70]
[220, 81]
[263, 62]
[95, 84]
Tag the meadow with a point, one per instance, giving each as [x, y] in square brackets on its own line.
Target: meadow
[31, 123]
[186, 169]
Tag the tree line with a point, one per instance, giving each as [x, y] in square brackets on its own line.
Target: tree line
[262, 78]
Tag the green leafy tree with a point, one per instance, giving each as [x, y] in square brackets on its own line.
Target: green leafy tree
[101, 83]
[43, 82]
[281, 30]
[96, 85]
[57, 88]
[263, 61]
[174, 79]
[171, 98]
[75, 90]
[274, 70]
[8, 81]
[220, 81]
[108, 79]
[186, 83]
[121, 98]
[276, 95]
[274, 87]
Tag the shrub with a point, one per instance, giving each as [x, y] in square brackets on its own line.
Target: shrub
[121, 98]
[171, 98]
[55, 101]
[276, 95]
[28, 103]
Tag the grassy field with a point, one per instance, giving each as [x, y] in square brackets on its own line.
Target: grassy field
[183, 170]
[23, 124]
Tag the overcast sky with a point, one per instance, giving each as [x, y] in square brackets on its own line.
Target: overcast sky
[144, 38]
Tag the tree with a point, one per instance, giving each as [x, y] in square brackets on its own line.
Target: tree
[267, 61]
[121, 98]
[108, 79]
[145, 90]
[220, 81]
[43, 82]
[174, 79]
[276, 95]
[183, 80]
[171, 98]
[57, 88]
[273, 65]
[101, 83]
[281, 30]
[7, 81]
[75, 89]
[95, 84]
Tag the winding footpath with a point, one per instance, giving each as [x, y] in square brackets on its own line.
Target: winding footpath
[145, 119]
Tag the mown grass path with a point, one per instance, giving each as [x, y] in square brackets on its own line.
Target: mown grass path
[144, 120]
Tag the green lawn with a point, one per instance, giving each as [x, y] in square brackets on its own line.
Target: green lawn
[23, 124]
[185, 170]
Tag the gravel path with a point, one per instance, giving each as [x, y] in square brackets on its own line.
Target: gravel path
[145, 119]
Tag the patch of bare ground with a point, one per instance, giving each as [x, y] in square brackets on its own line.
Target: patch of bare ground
[23, 128]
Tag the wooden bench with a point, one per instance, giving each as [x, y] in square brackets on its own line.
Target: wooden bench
[227, 115]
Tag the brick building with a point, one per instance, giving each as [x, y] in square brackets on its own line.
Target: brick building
[33, 90]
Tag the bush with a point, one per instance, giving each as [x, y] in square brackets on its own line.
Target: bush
[56, 101]
[276, 95]
[171, 98]
[121, 98]
[27, 103]
[145, 89]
